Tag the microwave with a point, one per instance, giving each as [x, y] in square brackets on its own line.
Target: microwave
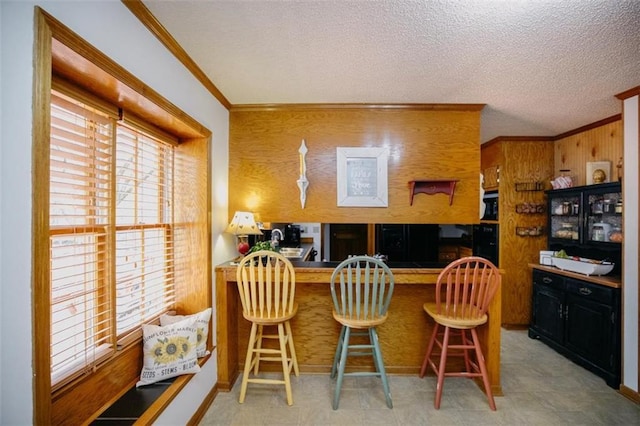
[491, 206]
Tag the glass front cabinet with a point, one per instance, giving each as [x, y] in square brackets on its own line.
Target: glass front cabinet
[586, 221]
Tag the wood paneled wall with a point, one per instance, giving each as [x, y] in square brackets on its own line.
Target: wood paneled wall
[602, 143]
[521, 161]
[425, 142]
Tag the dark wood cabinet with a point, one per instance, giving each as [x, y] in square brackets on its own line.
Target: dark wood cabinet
[548, 306]
[575, 212]
[347, 239]
[591, 320]
[579, 319]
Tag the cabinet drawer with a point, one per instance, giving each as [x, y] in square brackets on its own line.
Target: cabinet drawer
[447, 256]
[549, 280]
[600, 293]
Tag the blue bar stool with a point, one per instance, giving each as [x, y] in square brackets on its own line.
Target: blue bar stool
[361, 288]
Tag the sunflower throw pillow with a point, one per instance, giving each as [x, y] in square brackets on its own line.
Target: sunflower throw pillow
[202, 322]
[169, 351]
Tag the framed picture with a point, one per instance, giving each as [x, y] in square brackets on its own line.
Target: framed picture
[362, 177]
[598, 172]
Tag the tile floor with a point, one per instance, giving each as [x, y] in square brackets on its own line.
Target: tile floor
[540, 387]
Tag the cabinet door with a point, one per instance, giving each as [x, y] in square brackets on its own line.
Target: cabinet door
[600, 212]
[565, 213]
[491, 177]
[347, 239]
[590, 323]
[548, 301]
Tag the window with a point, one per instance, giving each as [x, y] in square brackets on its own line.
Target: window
[111, 242]
[121, 222]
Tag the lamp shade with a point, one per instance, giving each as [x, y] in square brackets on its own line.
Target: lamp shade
[243, 223]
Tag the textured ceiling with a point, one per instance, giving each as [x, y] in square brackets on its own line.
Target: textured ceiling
[542, 67]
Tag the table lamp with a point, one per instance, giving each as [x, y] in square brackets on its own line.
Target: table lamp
[242, 225]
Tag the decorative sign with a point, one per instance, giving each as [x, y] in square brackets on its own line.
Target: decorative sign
[362, 177]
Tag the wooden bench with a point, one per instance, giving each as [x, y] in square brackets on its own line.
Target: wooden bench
[144, 404]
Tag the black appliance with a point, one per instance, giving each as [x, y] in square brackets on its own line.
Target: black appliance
[491, 202]
[485, 242]
[408, 242]
[291, 236]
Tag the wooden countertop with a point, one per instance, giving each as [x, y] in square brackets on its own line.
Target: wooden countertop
[606, 280]
[320, 272]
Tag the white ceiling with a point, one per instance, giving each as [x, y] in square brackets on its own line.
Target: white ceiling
[542, 67]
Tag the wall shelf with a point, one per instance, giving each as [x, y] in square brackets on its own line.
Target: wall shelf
[529, 186]
[529, 231]
[530, 208]
[432, 186]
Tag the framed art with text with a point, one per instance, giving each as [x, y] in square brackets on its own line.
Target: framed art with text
[362, 177]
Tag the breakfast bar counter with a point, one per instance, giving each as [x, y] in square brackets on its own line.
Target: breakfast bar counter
[403, 337]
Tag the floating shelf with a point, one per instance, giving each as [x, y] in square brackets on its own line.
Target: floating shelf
[530, 208]
[432, 186]
[529, 231]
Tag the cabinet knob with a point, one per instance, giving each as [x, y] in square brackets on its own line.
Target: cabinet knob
[585, 291]
[547, 280]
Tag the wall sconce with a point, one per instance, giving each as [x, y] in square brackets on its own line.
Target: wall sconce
[242, 225]
[302, 181]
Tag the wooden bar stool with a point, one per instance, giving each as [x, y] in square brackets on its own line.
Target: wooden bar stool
[361, 288]
[464, 290]
[267, 284]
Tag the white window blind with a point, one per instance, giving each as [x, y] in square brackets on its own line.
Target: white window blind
[144, 243]
[111, 236]
[80, 198]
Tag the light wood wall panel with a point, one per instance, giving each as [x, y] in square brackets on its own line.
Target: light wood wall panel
[603, 143]
[192, 233]
[424, 143]
[521, 161]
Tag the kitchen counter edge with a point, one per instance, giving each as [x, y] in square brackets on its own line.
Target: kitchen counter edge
[605, 280]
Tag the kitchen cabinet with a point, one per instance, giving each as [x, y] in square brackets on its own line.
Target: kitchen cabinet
[584, 222]
[465, 251]
[447, 254]
[579, 319]
[574, 212]
[491, 178]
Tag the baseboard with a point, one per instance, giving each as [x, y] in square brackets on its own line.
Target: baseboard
[630, 394]
[515, 326]
[204, 407]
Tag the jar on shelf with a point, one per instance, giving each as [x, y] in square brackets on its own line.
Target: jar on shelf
[597, 233]
[567, 231]
[619, 206]
[608, 206]
[596, 207]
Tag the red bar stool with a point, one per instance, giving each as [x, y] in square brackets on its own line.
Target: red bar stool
[464, 290]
